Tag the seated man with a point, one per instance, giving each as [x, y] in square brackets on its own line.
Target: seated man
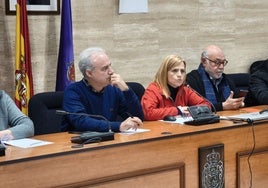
[100, 92]
[210, 81]
[258, 84]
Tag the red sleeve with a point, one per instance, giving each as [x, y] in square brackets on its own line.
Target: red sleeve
[155, 106]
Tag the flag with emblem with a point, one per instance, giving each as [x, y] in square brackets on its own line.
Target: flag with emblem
[65, 68]
[23, 68]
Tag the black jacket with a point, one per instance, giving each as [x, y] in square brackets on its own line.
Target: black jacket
[194, 80]
[258, 84]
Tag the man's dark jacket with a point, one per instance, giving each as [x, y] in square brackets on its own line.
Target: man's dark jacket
[194, 80]
[258, 84]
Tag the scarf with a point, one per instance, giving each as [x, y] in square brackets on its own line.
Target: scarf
[209, 91]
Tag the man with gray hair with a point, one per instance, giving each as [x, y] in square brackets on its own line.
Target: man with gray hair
[210, 81]
[101, 92]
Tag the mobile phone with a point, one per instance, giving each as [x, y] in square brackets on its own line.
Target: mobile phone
[242, 93]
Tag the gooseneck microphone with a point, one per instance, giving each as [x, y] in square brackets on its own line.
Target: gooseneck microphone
[89, 136]
[202, 114]
[212, 105]
[62, 112]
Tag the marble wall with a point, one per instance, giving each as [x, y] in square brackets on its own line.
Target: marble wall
[137, 43]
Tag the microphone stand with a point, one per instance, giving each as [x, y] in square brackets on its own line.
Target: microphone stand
[202, 114]
[2, 149]
[62, 112]
[212, 105]
[88, 141]
[89, 137]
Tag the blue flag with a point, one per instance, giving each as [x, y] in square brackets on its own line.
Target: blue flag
[65, 69]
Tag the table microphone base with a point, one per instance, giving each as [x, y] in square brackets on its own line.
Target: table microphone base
[94, 136]
[2, 149]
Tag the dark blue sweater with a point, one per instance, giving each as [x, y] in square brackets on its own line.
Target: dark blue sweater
[111, 103]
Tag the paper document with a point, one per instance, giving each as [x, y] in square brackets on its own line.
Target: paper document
[133, 131]
[27, 143]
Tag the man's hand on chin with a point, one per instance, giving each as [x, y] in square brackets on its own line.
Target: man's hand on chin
[117, 81]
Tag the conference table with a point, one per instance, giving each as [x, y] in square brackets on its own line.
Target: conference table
[225, 154]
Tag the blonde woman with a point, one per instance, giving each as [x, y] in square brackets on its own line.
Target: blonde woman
[168, 94]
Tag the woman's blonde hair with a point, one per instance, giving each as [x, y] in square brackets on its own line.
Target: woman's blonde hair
[161, 77]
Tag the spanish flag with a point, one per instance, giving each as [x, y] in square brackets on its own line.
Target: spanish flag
[23, 69]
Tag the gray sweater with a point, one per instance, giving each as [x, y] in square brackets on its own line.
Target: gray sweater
[12, 118]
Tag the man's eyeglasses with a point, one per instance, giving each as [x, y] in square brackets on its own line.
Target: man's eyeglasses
[218, 62]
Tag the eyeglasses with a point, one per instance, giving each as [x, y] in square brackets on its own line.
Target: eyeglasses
[218, 62]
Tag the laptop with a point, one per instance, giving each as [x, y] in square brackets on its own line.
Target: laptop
[251, 116]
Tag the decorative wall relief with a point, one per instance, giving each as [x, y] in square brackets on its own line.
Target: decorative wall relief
[211, 166]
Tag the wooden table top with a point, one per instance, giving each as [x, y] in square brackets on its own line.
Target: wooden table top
[158, 130]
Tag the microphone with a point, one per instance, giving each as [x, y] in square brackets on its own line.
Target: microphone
[202, 114]
[2, 149]
[212, 105]
[90, 136]
[62, 112]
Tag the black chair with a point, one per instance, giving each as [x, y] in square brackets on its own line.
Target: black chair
[42, 111]
[137, 88]
[241, 80]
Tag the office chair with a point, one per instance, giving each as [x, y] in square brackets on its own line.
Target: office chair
[42, 111]
[137, 88]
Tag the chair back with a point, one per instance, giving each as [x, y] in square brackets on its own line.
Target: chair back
[137, 88]
[42, 111]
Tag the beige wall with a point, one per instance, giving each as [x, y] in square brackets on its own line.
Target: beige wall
[137, 43]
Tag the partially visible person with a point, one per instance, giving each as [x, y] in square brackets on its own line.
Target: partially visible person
[211, 82]
[167, 94]
[258, 84]
[13, 123]
[100, 92]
